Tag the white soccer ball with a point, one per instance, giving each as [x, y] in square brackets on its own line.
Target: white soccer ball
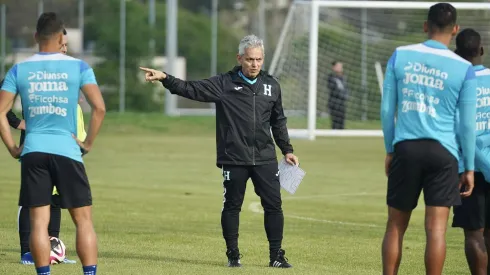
[58, 251]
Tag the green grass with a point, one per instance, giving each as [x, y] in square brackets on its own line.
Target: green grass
[325, 123]
[198, 125]
[158, 197]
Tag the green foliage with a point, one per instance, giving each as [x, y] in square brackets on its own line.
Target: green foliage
[194, 43]
[204, 6]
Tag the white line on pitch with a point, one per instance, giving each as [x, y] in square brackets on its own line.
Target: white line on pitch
[255, 207]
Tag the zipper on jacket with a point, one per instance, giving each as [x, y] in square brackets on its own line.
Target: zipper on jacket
[253, 144]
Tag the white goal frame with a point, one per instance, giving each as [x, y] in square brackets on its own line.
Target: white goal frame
[312, 132]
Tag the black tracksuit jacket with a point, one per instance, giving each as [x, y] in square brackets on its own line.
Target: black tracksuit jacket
[245, 115]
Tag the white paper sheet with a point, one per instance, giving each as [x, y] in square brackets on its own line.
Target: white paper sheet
[290, 176]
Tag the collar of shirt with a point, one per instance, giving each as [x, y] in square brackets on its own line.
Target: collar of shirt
[435, 44]
[249, 81]
[478, 68]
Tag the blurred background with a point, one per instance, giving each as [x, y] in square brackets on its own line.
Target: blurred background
[104, 33]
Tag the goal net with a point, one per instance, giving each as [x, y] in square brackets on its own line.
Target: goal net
[361, 35]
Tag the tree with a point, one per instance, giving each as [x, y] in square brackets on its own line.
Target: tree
[204, 6]
[194, 42]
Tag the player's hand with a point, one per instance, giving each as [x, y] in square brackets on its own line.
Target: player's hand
[85, 147]
[153, 75]
[16, 151]
[291, 159]
[22, 125]
[468, 181]
[388, 159]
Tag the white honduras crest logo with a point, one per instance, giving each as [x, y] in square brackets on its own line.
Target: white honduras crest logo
[226, 175]
[267, 90]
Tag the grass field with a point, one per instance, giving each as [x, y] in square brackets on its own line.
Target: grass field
[158, 196]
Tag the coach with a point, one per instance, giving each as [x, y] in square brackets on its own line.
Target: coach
[248, 106]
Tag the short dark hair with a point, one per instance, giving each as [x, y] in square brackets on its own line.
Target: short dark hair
[335, 62]
[441, 17]
[48, 24]
[468, 44]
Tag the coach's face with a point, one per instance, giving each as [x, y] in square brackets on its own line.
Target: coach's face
[251, 61]
[64, 45]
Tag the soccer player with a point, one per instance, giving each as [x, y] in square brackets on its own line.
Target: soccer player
[473, 215]
[426, 85]
[24, 225]
[248, 105]
[48, 84]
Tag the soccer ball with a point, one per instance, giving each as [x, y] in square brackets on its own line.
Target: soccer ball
[58, 251]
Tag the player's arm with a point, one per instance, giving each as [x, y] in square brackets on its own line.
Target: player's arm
[94, 97]
[482, 141]
[482, 161]
[7, 96]
[467, 114]
[15, 122]
[388, 104]
[206, 90]
[278, 126]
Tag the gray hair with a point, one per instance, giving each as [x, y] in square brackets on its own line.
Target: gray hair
[250, 41]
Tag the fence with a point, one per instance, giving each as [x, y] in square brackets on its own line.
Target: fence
[189, 38]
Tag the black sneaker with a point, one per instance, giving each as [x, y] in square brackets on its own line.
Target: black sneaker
[233, 258]
[278, 260]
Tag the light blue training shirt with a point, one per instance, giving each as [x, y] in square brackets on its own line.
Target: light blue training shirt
[425, 87]
[482, 153]
[49, 86]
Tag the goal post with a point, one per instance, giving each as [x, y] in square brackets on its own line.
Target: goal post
[360, 34]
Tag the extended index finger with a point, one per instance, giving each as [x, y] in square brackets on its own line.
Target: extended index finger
[147, 69]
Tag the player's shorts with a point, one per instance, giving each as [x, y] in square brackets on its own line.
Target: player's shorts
[40, 172]
[474, 211]
[422, 164]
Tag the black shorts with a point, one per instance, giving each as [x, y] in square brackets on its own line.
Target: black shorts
[474, 211]
[41, 171]
[422, 165]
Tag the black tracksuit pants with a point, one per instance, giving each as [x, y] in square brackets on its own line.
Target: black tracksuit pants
[265, 179]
